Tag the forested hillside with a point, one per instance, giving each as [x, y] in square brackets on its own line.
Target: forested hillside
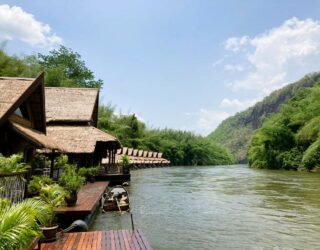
[65, 68]
[180, 147]
[290, 139]
[236, 132]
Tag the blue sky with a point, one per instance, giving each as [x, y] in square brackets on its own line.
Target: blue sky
[178, 64]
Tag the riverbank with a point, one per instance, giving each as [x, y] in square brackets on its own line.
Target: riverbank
[222, 207]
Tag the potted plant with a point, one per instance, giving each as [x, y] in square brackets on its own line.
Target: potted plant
[126, 164]
[72, 182]
[37, 183]
[89, 173]
[54, 196]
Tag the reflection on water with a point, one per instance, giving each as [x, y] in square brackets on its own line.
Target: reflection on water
[223, 207]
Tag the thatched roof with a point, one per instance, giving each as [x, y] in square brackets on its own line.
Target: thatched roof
[81, 139]
[130, 151]
[35, 137]
[14, 91]
[71, 104]
[124, 150]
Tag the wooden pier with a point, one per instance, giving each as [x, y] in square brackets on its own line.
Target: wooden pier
[88, 196]
[98, 240]
[87, 205]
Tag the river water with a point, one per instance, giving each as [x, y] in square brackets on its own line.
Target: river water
[222, 207]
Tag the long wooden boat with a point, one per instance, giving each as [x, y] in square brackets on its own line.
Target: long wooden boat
[117, 200]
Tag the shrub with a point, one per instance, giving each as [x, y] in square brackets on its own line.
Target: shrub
[12, 164]
[37, 183]
[311, 157]
[70, 179]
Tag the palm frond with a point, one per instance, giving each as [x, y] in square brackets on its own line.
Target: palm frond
[19, 223]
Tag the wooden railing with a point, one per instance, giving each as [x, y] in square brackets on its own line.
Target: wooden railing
[13, 186]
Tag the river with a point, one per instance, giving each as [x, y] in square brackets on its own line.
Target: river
[222, 207]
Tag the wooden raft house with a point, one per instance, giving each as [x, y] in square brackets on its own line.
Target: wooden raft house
[22, 129]
[140, 159]
[22, 117]
[72, 115]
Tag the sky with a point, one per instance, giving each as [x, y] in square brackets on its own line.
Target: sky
[181, 64]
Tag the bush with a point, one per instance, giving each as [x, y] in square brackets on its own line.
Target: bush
[37, 183]
[70, 179]
[311, 157]
[61, 161]
[12, 164]
[290, 160]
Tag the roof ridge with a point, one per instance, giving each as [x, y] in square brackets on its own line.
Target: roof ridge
[82, 88]
[17, 78]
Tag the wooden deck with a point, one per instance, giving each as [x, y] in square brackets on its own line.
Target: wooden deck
[113, 240]
[88, 197]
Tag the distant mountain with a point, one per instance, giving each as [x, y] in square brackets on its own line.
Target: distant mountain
[235, 132]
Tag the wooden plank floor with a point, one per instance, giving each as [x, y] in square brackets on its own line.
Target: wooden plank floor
[98, 240]
[88, 196]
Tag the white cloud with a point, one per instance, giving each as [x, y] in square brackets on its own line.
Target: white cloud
[278, 56]
[234, 67]
[207, 120]
[236, 104]
[15, 23]
[236, 44]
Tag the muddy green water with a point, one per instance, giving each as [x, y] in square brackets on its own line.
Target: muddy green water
[222, 207]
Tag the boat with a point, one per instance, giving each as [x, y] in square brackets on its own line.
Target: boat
[117, 200]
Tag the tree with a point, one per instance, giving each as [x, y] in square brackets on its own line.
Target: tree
[65, 68]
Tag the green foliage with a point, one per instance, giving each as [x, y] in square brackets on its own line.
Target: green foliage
[53, 196]
[61, 161]
[180, 147]
[65, 68]
[311, 157]
[126, 164]
[236, 132]
[14, 66]
[70, 179]
[309, 132]
[12, 164]
[128, 129]
[125, 160]
[290, 160]
[37, 182]
[88, 172]
[19, 222]
[290, 138]
[39, 161]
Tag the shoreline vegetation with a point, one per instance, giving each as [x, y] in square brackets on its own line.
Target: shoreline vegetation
[290, 139]
[65, 68]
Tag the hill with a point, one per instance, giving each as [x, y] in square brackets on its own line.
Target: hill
[290, 139]
[236, 132]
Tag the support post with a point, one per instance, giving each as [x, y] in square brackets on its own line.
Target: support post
[52, 163]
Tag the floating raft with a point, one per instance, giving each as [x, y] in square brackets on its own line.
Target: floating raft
[113, 240]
